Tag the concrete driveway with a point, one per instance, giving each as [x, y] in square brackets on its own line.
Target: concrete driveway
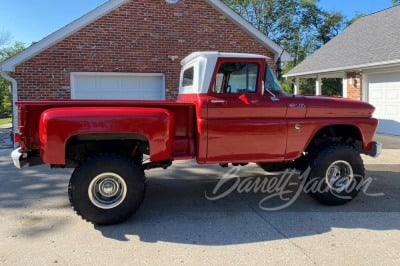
[178, 225]
[5, 136]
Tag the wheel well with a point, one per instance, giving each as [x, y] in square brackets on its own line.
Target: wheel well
[345, 134]
[80, 148]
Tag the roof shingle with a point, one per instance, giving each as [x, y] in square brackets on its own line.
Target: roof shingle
[371, 40]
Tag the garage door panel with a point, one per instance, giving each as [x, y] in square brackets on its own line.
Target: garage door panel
[88, 83]
[376, 96]
[105, 83]
[384, 94]
[117, 86]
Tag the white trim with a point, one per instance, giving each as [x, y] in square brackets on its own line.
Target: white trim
[52, 39]
[391, 63]
[116, 74]
[318, 85]
[296, 89]
[383, 70]
[14, 86]
[330, 75]
[61, 34]
[365, 88]
[345, 89]
[365, 79]
[164, 91]
[190, 88]
[73, 76]
[214, 55]
[204, 65]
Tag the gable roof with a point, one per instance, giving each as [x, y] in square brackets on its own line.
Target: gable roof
[52, 39]
[371, 41]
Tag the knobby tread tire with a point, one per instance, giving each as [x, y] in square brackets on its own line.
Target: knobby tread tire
[321, 162]
[130, 171]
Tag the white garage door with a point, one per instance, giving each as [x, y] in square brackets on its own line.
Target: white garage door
[117, 86]
[384, 94]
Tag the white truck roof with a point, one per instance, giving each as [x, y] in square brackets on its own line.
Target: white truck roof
[203, 64]
[215, 55]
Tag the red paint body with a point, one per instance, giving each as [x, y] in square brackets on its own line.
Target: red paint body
[213, 128]
[58, 125]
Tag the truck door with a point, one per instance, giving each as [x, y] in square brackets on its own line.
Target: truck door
[243, 124]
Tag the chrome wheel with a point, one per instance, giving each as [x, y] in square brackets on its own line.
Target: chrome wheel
[339, 176]
[107, 190]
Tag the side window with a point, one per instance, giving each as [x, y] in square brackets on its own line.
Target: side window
[188, 77]
[271, 82]
[236, 78]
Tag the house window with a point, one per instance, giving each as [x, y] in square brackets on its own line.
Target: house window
[236, 78]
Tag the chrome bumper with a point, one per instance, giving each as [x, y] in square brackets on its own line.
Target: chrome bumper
[375, 150]
[19, 159]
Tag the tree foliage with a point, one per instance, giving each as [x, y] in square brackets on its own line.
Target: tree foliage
[5, 86]
[299, 26]
[4, 38]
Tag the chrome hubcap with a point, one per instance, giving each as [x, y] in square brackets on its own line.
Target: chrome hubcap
[339, 176]
[107, 190]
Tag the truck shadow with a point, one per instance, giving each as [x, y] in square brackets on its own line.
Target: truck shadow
[176, 210]
[22, 188]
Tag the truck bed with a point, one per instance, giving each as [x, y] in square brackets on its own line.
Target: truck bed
[30, 112]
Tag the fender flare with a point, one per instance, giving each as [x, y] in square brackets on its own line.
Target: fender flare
[58, 125]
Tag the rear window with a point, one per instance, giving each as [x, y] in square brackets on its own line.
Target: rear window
[188, 77]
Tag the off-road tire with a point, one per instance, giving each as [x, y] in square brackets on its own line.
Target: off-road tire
[336, 160]
[92, 205]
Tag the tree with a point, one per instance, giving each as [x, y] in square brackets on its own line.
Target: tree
[4, 38]
[396, 2]
[5, 86]
[299, 26]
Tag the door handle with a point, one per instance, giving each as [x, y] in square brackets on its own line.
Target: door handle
[218, 101]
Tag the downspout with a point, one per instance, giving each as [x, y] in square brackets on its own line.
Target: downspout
[14, 86]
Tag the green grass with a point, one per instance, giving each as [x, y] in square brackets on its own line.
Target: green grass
[4, 121]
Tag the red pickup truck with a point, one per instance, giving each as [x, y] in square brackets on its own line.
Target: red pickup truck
[231, 109]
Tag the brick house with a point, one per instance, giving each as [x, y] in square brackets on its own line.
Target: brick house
[129, 49]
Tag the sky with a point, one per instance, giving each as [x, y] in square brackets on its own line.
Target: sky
[30, 21]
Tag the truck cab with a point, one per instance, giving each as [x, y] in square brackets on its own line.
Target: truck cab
[240, 116]
[244, 115]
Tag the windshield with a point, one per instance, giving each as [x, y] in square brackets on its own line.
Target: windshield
[271, 82]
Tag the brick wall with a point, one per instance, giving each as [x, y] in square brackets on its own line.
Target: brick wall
[135, 38]
[354, 86]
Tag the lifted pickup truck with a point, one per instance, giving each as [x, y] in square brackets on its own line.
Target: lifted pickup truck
[231, 109]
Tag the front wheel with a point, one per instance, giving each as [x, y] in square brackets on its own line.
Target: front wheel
[336, 176]
[107, 189]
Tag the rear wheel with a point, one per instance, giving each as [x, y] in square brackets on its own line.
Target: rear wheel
[336, 176]
[107, 189]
